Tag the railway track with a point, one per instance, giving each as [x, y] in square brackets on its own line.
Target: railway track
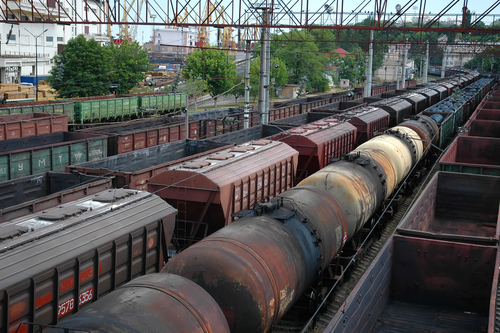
[294, 320]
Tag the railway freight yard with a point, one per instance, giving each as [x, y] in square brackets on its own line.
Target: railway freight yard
[356, 189]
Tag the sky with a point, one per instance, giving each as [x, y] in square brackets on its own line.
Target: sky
[478, 6]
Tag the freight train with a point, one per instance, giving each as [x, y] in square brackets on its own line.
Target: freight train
[258, 266]
[103, 108]
[90, 150]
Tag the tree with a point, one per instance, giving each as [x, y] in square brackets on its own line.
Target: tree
[350, 68]
[85, 68]
[195, 88]
[239, 88]
[215, 67]
[129, 63]
[298, 51]
[81, 69]
[279, 73]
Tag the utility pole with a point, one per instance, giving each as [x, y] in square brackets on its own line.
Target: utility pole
[268, 70]
[397, 74]
[36, 57]
[246, 111]
[443, 65]
[186, 119]
[263, 79]
[368, 91]
[426, 68]
[403, 67]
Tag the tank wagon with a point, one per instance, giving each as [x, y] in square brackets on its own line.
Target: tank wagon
[55, 261]
[190, 308]
[368, 174]
[208, 189]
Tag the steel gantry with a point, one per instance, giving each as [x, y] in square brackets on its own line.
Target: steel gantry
[245, 14]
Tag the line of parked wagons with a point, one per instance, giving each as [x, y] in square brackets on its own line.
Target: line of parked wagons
[210, 182]
[99, 109]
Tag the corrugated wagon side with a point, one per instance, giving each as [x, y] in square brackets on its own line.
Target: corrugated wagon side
[30, 124]
[55, 262]
[208, 189]
[50, 152]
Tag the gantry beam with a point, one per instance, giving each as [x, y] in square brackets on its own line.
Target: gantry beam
[246, 14]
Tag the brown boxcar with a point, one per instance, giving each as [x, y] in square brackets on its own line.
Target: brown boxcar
[368, 122]
[469, 154]
[398, 108]
[208, 189]
[144, 133]
[135, 168]
[456, 207]
[54, 262]
[28, 195]
[319, 142]
[30, 124]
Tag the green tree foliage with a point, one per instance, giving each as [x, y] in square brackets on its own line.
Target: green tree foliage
[279, 73]
[238, 89]
[195, 88]
[129, 63]
[81, 69]
[347, 68]
[300, 54]
[214, 66]
[85, 68]
[484, 60]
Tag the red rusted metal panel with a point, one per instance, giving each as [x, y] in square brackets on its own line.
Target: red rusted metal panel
[319, 142]
[449, 87]
[208, 189]
[55, 262]
[30, 124]
[368, 122]
[487, 114]
[459, 207]
[473, 155]
[398, 108]
[492, 105]
[484, 128]
[156, 303]
[425, 285]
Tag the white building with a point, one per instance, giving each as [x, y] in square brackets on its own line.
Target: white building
[392, 65]
[172, 43]
[17, 57]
